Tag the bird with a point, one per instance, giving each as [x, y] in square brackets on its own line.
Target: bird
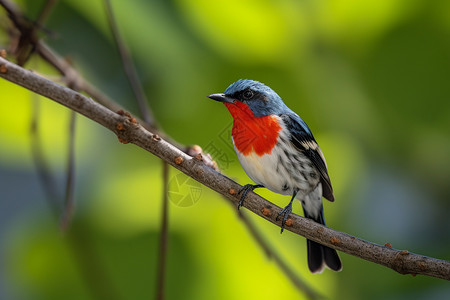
[278, 151]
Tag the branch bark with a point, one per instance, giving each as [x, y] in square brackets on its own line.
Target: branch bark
[128, 130]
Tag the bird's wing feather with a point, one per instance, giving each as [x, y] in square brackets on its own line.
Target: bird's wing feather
[303, 140]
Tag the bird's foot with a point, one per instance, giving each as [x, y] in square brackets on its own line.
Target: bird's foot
[285, 212]
[245, 190]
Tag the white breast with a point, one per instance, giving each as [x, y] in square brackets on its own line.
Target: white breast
[262, 170]
[282, 171]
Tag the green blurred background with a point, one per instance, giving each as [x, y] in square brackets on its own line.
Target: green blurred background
[371, 78]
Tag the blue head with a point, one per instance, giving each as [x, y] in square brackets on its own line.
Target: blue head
[260, 98]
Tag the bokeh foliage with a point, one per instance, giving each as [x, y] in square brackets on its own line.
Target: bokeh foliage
[369, 77]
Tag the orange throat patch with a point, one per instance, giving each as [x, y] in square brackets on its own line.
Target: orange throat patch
[250, 133]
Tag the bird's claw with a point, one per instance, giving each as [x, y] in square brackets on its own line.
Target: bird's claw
[285, 212]
[246, 189]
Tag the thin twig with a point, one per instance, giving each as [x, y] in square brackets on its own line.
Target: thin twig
[13, 13]
[96, 279]
[129, 131]
[298, 282]
[28, 38]
[129, 68]
[40, 161]
[45, 12]
[163, 241]
[69, 201]
[148, 118]
[73, 78]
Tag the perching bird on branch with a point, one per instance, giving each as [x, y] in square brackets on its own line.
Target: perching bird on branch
[278, 151]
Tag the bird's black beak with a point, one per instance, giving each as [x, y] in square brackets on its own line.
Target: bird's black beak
[221, 98]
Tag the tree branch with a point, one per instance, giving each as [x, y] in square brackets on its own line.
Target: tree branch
[71, 76]
[128, 130]
[75, 81]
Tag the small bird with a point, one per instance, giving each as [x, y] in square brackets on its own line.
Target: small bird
[278, 151]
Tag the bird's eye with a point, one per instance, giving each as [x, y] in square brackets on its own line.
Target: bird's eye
[248, 94]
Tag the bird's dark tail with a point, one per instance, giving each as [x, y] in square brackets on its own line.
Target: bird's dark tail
[319, 255]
